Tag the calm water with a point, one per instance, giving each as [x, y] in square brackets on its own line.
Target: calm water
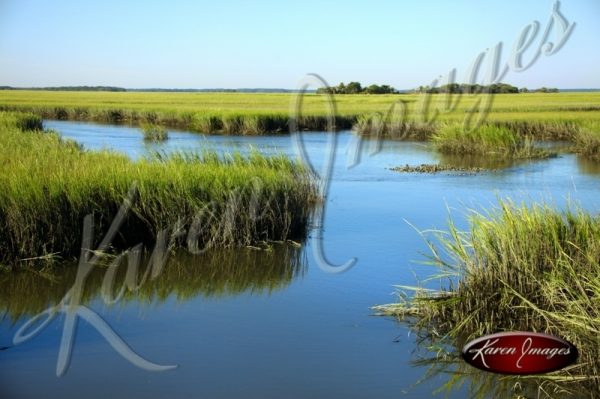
[256, 324]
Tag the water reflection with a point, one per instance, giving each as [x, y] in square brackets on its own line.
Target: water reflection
[477, 161]
[467, 161]
[218, 273]
[441, 357]
[587, 166]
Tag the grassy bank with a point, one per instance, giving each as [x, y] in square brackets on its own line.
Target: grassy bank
[48, 186]
[509, 130]
[587, 141]
[227, 113]
[244, 113]
[519, 268]
[488, 140]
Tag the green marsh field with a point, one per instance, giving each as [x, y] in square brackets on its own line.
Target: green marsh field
[261, 112]
[516, 268]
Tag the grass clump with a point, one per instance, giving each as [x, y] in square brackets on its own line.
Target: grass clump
[48, 186]
[519, 268]
[395, 129]
[436, 168]
[489, 140]
[29, 122]
[154, 133]
[587, 141]
[543, 130]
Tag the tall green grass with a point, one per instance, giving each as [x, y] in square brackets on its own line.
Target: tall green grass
[397, 129]
[562, 130]
[486, 140]
[518, 268]
[587, 141]
[48, 185]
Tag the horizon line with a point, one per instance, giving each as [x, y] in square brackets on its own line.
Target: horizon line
[217, 89]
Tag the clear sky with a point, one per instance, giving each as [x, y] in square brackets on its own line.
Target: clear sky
[234, 44]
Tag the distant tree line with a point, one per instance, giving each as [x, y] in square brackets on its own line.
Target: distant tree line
[540, 90]
[455, 88]
[158, 90]
[356, 88]
[350, 88]
[67, 88]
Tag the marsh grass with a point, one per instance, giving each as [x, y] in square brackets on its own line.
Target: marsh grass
[224, 121]
[48, 185]
[28, 122]
[540, 116]
[207, 123]
[543, 130]
[377, 125]
[518, 268]
[587, 141]
[486, 140]
[154, 132]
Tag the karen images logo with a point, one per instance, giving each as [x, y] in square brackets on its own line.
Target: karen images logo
[519, 352]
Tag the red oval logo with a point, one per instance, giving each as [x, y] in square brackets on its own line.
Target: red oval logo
[519, 352]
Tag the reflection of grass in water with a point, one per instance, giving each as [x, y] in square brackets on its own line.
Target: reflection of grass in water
[521, 268]
[440, 359]
[227, 272]
[471, 162]
[476, 161]
[215, 273]
[587, 166]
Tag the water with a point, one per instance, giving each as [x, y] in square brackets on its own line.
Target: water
[258, 324]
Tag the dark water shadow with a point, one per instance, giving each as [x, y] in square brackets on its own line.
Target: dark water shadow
[587, 166]
[214, 274]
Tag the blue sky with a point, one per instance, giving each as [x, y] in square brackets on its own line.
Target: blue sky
[233, 44]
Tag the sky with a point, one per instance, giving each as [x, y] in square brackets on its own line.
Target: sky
[273, 44]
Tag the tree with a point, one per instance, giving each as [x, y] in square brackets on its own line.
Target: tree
[387, 89]
[356, 88]
[375, 89]
[353, 88]
[547, 90]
